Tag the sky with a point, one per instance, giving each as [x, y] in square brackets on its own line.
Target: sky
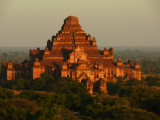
[30, 23]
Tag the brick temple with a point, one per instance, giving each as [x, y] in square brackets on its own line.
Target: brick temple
[73, 53]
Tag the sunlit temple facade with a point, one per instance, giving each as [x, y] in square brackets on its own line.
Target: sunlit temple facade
[73, 53]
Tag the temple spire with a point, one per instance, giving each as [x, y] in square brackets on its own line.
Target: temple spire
[71, 24]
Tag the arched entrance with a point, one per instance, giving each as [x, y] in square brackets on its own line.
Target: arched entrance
[84, 81]
[83, 77]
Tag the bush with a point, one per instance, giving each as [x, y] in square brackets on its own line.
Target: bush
[10, 112]
[41, 99]
[125, 113]
[6, 94]
[112, 88]
[153, 81]
[152, 105]
[136, 83]
[72, 95]
[40, 84]
[24, 103]
[137, 95]
[55, 113]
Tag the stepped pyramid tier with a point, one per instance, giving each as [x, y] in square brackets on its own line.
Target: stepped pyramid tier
[73, 53]
[72, 35]
[71, 24]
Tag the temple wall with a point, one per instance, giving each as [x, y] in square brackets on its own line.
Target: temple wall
[138, 75]
[81, 60]
[10, 74]
[64, 73]
[120, 72]
[37, 72]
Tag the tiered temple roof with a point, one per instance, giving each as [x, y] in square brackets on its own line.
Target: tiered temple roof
[69, 37]
[73, 53]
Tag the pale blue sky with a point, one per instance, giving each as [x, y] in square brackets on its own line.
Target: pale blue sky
[112, 22]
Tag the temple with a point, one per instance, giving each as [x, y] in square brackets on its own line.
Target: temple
[73, 53]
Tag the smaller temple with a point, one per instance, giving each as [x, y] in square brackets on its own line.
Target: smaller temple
[73, 53]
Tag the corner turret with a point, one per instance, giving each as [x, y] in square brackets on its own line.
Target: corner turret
[10, 65]
[89, 37]
[46, 52]
[94, 41]
[137, 65]
[36, 63]
[119, 62]
[106, 52]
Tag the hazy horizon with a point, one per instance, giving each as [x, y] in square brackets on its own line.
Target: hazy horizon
[114, 23]
[115, 48]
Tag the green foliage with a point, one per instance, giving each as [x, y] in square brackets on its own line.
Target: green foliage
[137, 83]
[17, 84]
[125, 113]
[42, 100]
[137, 95]
[14, 111]
[55, 113]
[153, 81]
[40, 84]
[72, 87]
[152, 105]
[10, 112]
[85, 117]
[66, 94]
[72, 95]
[69, 93]
[122, 102]
[24, 103]
[93, 110]
[109, 100]
[112, 88]
[6, 94]
[37, 84]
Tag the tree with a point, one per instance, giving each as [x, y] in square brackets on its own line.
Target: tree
[6, 94]
[24, 103]
[41, 99]
[153, 81]
[125, 113]
[137, 95]
[112, 88]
